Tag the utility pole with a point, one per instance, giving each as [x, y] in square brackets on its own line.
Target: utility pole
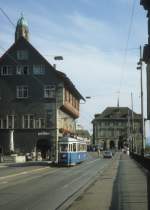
[129, 132]
[140, 67]
[57, 129]
[57, 58]
[133, 131]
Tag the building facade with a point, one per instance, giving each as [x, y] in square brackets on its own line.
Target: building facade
[117, 127]
[146, 54]
[38, 104]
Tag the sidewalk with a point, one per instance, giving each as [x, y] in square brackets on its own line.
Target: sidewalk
[122, 186]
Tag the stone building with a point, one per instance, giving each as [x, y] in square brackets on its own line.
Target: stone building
[38, 104]
[113, 128]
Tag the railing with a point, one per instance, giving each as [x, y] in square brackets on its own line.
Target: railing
[144, 161]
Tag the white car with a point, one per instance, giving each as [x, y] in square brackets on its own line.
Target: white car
[107, 154]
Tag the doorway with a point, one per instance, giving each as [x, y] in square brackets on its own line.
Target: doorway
[112, 145]
[121, 142]
[44, 147]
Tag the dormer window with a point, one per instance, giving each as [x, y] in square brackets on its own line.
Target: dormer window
[38, 69]
[6, 70]
[22, 55]
[22, 70]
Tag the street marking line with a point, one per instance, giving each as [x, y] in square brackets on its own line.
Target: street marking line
[13, 175]
[92, 161]
[24, 173]
[74, 180]
[4, 182]
[3, 166]
[38, 169]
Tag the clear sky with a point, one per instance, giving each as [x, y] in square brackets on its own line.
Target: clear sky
[98, 39]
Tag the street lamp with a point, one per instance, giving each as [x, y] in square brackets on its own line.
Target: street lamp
[58, 58]
[140, 67]
[86, 97]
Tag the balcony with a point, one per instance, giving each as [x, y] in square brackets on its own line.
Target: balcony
[70, 109]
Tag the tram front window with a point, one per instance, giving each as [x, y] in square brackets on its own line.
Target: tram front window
[64, 147]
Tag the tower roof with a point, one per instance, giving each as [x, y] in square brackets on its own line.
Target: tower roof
[22, 21]
[22, 29]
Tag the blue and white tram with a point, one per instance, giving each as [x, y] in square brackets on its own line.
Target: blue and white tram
[71, 151]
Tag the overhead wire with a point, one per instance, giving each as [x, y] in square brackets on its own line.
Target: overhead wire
[126, 47]
[8, 18]
[102, 51]
[10, 56]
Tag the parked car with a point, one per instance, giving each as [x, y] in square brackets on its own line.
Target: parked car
[28, 157]
[147, 155]
[107, 154]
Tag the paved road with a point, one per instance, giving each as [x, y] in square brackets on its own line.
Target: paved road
[44, 188]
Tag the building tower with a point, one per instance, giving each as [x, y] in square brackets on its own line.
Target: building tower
[22, 29]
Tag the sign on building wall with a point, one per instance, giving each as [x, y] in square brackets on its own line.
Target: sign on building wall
[43, 133]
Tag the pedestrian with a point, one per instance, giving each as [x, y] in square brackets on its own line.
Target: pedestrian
[98, 152]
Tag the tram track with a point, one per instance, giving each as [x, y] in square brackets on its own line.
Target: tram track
[78, 192]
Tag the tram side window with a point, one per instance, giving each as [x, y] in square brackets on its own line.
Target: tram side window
[64, 147]
[70, 147]
[74, 147]
[78, 147]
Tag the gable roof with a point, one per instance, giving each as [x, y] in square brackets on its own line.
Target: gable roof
[68, 83]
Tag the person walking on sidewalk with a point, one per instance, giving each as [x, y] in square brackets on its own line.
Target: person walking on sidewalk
[98, 152]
